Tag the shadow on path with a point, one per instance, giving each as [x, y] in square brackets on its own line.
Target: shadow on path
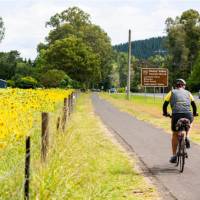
[163, 170]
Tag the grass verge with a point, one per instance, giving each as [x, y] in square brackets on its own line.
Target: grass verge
[148, 110]
[82, 164]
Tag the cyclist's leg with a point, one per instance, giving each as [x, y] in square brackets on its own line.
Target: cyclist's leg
[175, 118]
[174, 142]
[187, 133]
[187, 140]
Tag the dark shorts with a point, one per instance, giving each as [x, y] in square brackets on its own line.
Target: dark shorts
[177, 116]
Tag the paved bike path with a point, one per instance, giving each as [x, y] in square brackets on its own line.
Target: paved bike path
[153, 146]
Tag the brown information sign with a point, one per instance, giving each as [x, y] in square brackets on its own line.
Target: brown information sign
[154, 77]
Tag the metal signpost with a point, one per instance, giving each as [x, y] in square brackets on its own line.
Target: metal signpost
[154, 77]
[129, 64]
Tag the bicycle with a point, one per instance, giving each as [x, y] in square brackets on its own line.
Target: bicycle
[183, 125]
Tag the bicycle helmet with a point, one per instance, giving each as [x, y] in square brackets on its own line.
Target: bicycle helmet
[180, 82]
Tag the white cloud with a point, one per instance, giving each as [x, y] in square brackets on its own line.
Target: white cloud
[25, 27]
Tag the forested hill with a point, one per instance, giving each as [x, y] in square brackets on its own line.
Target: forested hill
[144, 48]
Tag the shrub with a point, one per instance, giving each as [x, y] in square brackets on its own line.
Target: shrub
[121, 90]
[10, 83]
[53, 78]
[66, 82]
[26, 82]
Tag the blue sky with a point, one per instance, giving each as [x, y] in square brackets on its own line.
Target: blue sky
[25, 19]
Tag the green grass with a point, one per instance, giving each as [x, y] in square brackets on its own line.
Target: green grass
[82, 163]
[149, 110]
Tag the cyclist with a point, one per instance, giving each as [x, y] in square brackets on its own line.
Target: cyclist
[180, 101]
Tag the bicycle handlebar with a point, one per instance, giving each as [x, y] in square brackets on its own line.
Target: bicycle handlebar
[170, 115]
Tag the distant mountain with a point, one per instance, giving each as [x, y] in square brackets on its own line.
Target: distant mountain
[143, 49]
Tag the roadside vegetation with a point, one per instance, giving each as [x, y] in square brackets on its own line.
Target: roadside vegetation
[82, 163]
[146, 109]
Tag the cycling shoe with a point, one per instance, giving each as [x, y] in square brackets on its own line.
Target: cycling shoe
[173, 159]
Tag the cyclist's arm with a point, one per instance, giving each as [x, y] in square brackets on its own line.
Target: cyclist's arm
[166, 102]
[194, 107]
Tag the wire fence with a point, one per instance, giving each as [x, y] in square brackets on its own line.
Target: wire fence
[19, 164]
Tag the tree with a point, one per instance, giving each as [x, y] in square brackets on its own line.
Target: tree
[72, 21]
[52, 78]
[75, 58]
[194, 80]
[157, 60]
[24, 69]
[76, 45]
[143, 49]
[122, 61]
[8, 63]
[191, 24]
[135, 81]
[114, 77]
[100, 43]
[2, 29]
[183, 42]
[73, 16]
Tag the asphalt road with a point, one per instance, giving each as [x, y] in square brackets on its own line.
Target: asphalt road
[153, 148]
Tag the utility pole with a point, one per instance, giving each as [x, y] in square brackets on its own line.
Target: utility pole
[129, 65]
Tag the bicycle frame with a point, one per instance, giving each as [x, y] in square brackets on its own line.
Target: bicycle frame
[181, 151]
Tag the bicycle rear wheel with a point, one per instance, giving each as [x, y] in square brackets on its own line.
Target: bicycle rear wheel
[182, 155]
[178, 154]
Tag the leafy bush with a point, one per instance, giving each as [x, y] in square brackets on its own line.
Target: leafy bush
[26, 82]
[53, 78]
[76, 85]
[121, 90]
[10, 83]
[67, 82]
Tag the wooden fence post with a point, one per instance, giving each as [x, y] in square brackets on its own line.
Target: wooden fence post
[45, 135]
[65, 108]
[69, 105]
[58, 123]
[27, 168]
